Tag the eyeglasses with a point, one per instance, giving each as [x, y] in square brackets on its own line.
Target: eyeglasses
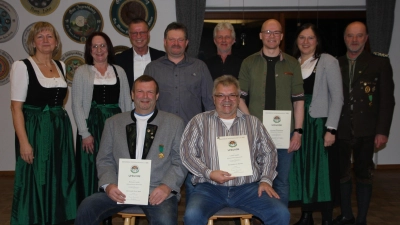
[142, 33]
[101, 46]
[179, 40]
[271, 33]
[223, 97]
[220, 38]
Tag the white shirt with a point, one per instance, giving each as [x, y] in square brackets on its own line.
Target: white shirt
[307, 67]
[139, 63]
[19, 79]
[141, 122]
[228, 122]
[109, 77]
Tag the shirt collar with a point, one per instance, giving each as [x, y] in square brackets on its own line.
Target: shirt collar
[239, 114]
[280, 54]
[147, 53]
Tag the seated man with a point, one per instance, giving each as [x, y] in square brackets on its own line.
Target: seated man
[216, 189]
[146, 129]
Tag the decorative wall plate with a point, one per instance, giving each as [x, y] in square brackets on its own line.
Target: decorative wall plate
[25, 36]
[123, 11]
[72, 60]
[5, 66]
[80, 20]
[40, 7]
[119, 48]
[8, 22]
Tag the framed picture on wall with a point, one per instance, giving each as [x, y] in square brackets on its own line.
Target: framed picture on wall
[80, 20]
[123, 11]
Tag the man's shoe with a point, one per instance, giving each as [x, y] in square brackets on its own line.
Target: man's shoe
[341, 220]
[306, 219]
[326, 222]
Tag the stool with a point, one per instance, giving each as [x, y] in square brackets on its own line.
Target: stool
[228, 212]
[129, 214]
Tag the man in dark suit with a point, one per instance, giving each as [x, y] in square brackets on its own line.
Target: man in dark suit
[135, 59]
[365, 120]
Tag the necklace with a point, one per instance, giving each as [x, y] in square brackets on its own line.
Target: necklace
[51, 70]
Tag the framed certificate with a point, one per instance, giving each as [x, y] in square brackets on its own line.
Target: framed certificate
[234, 155]
[278, 124]
[134, 180]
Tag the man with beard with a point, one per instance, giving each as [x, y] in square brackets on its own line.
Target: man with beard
[185, 82]
[365, 121]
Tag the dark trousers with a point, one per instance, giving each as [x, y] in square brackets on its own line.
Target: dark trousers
[363, 151]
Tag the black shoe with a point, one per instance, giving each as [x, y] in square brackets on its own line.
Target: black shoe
[306, 219]
[360, 223]
[341, 220]
[326, 222]
[108, 221]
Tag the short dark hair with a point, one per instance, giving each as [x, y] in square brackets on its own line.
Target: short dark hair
[139, 20]
[318, 49]
[88, 48]
[176, 26]
[145, 78]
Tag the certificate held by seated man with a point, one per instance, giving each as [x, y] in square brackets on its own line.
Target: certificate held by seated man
[134, 180]
[234, 155]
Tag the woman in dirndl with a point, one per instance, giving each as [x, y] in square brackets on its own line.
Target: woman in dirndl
[45, 182]
[314, 178]
[100, 90]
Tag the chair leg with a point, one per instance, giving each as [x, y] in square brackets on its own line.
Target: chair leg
[127, 221]
[210, 222]
[133, 220]
[244, 221]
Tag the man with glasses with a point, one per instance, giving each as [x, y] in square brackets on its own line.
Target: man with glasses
[135, 59]
[225, 62]
[215, 188]
[271, 80]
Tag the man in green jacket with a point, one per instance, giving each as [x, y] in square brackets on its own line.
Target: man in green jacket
[271, 80]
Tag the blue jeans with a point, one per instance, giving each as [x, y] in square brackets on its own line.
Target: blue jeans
[208, 198]
[99, 206]
[281, 181]
[189, 187]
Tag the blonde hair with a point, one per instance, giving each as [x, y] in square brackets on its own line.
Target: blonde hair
[224, 26]
[226, 80]
[37, 28]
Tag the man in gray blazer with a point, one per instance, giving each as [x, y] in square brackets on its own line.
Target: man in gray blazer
[144, 133]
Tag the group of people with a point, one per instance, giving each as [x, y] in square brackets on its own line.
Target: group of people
[177, 117]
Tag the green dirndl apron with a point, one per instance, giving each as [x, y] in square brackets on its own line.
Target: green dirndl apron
[45, 191]
[309, 172]
[86, 162]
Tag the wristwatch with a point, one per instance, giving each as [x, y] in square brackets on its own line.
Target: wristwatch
[332, 131]
[299, 130]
